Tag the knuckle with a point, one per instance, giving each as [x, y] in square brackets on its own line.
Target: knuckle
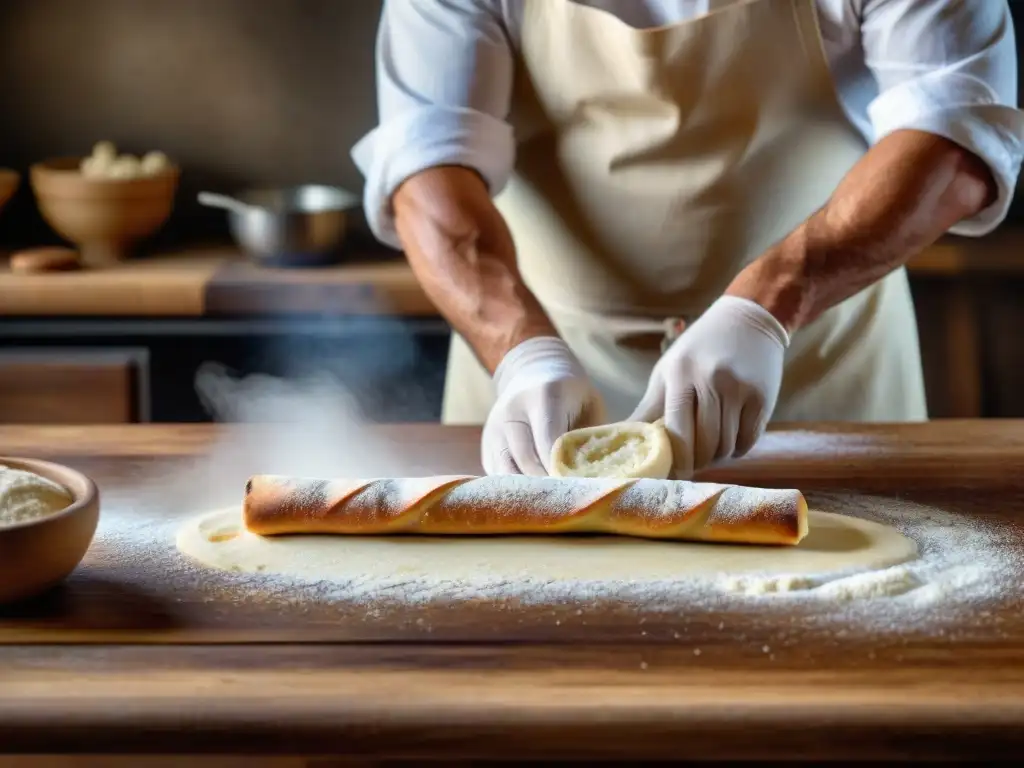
[550, 387]
[723, 377]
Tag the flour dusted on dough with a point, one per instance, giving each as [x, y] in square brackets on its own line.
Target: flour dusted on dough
[520, 504]
[27, 496]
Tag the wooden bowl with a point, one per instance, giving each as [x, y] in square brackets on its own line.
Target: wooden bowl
[9, 181]
[105, 218]
[37, 554]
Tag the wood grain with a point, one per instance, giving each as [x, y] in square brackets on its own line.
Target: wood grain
[54, 386]
[139, 665]
[172, 286]
[500, 701]
[217, 281]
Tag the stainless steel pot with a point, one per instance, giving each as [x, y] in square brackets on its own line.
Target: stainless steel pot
[292, 226]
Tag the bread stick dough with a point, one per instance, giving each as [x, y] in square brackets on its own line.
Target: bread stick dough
[522, 505]
[835, 543]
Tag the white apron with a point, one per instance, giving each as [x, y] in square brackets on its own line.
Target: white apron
[652, 166]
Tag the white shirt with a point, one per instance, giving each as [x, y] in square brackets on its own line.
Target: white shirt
[445, 68]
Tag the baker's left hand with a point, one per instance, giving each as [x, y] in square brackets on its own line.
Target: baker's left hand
[717, 384]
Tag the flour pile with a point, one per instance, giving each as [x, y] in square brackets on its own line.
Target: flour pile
[26, 496]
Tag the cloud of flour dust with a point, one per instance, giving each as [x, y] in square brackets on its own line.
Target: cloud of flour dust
[308, 424]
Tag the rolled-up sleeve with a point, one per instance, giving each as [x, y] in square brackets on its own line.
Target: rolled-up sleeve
[949, 67]
[444, 80]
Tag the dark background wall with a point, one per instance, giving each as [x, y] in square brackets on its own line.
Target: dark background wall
[238, 91]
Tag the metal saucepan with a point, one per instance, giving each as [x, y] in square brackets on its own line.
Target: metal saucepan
[294, 226]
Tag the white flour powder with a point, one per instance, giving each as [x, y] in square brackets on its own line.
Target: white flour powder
[26, 496]
[968, 566]
[965, 566]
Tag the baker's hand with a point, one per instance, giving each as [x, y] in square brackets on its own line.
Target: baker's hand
[717, 384]
[542, 392]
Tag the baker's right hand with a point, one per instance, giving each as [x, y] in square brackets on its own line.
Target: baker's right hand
[542, 392]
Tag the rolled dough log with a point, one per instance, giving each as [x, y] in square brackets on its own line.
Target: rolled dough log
[518, 504]
[836, 543]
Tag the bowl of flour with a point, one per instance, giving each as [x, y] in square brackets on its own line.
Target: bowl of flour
[48, 516]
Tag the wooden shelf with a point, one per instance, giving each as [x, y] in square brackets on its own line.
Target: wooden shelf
[219, 281]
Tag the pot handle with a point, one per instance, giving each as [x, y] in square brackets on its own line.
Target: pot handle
[214, 200]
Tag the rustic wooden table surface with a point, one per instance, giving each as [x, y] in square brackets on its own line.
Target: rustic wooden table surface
[122, 660]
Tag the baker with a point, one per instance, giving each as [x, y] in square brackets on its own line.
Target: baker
[574, 183]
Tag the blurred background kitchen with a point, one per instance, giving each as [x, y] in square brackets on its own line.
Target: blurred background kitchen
[243, 94]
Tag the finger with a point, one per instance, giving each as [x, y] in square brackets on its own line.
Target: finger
[708, 412]
[523, 448]
[560, 411]
[652, 404]
[679, 421]
[729, 426]
[497, 458]
[753, 421]
[547, 432]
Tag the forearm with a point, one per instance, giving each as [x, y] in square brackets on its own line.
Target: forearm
[904, 194]
[463, 255]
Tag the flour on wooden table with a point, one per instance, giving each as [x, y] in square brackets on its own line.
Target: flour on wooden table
[965, 569]
[963, 565]
[836, 544]
[884, 582]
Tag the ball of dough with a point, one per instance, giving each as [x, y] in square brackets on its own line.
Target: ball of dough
[94, 167]
[154, 163]
[27, 496]
[622, 450]
[105, 150]
[125, 167]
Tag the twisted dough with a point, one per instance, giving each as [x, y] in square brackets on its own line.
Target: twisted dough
[518, 504]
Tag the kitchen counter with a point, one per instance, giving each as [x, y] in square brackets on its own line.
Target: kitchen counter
[108, 664]
[214, 282]
[217, 281]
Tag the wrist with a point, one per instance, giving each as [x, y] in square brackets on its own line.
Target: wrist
[527, 323]
[754, 316]
[547, 356]
[778, 282]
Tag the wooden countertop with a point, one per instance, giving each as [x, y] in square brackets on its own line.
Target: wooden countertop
[218, 282]
[109, 665]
